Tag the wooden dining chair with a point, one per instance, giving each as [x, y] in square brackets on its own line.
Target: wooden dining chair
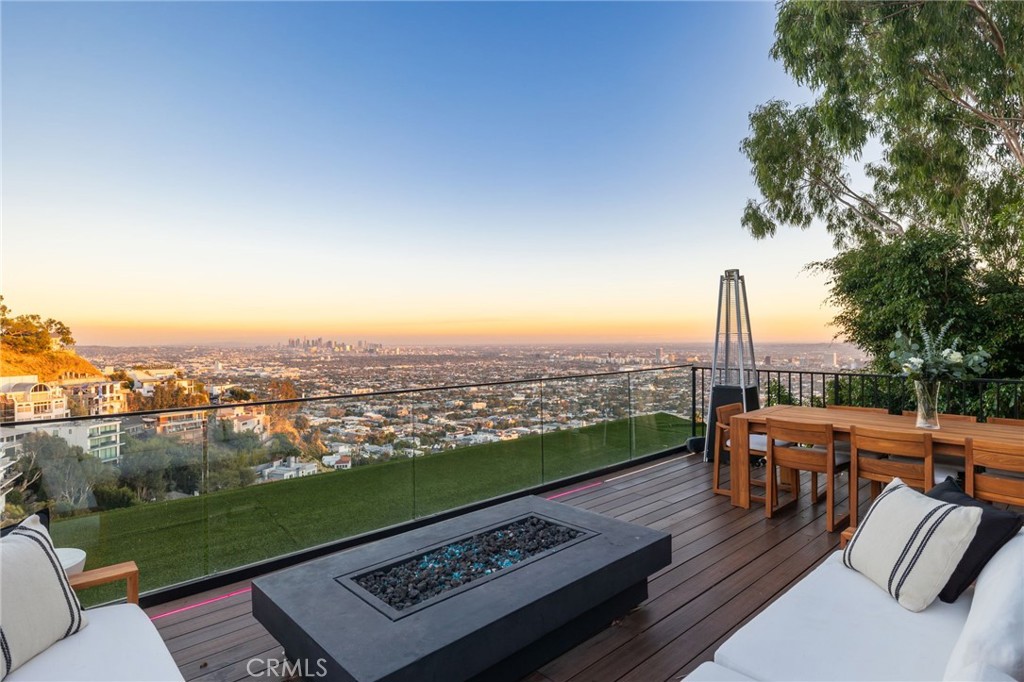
[880, 455]
[948, 465]
[1001, 478]
[723, 440]
[803, 446]
[1006, 421]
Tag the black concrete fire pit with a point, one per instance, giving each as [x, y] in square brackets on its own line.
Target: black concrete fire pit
[491, 595]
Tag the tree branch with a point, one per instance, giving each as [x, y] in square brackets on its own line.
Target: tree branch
[1008, 132]
[850, 200]
[997, 37]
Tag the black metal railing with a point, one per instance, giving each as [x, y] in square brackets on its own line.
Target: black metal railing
[981, 397]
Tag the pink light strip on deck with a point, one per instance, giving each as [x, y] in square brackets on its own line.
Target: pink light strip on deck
[575, 490]
[202, 603]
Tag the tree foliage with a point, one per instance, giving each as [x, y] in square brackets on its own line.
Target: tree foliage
[938, 88]
[67, 473]
[31, 333]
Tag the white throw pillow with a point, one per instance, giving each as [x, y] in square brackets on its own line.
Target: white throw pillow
[37, 605]
[909, 544]
[993, 635]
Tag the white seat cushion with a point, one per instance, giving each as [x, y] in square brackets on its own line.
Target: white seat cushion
[835, 624]
[712, 672]
[121, 644]
[943, 470]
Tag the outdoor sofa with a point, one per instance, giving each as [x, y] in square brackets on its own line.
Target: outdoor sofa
[115, 643]
[837, 624]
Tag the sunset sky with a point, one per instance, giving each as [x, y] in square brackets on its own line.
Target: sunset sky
[396, 172]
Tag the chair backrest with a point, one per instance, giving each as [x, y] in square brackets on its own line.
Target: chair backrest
[885, 442]
[947, 416]
[995, 457]
[726, 412]
[866, 444]
[805, 433]
[852, 408]
[1006, 421]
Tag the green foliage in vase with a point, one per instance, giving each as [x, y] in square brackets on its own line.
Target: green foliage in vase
[928, 361]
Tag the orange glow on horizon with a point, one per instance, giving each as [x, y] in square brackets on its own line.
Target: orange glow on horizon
[546, 328]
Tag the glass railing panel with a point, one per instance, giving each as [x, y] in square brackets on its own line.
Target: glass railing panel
[133, 494]
[190, 493]
[319, 471]
[586, 424]
[475, 443]
[660, 413]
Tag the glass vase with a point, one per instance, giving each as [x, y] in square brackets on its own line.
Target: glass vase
[927, 404]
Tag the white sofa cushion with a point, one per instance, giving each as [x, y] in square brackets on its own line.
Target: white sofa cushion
[121, 644]
[835, 624]
[994, 633]
[37, 605]
[712, 672]
[910, 544]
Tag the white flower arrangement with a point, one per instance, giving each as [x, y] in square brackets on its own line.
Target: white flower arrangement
[925, 362]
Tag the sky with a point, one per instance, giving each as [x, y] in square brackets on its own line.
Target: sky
[400, 172]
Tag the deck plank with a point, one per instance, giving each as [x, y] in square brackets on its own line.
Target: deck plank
[727, 565]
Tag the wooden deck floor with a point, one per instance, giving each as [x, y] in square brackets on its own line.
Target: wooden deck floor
[727, 565]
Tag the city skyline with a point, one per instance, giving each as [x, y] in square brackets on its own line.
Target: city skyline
[428, 173]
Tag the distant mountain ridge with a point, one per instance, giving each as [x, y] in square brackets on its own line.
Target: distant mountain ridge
[52, 365]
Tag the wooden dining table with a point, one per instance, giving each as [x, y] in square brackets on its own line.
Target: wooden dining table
[949, 439]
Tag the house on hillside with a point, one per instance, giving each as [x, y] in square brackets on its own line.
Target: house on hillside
[25, 398]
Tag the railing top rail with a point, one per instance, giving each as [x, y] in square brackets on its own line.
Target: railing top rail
[869, 375]
[338, 396]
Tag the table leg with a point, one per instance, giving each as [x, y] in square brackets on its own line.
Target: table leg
[739, 461]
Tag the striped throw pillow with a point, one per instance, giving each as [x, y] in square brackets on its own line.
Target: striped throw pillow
[909, 544]
[38, 606]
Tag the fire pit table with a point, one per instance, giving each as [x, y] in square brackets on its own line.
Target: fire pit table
[490, 595]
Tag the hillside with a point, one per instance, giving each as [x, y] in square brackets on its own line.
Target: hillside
[48, 366]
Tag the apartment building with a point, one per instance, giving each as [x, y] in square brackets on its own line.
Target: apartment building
[145, 381]
[25, 398]
[186, 426]
[98, 397]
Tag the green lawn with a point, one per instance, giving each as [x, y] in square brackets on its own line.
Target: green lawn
[180, 540]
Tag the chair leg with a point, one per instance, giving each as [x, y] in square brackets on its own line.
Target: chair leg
[854, 486]
[716, 472]
[815, 498]
[876, 489]
[770, 492]
[830, 512]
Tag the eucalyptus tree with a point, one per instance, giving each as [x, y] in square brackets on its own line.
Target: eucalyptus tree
[915, 125]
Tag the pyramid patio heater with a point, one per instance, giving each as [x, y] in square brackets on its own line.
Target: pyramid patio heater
[733, 375]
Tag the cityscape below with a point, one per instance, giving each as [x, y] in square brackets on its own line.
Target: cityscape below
[320, 367]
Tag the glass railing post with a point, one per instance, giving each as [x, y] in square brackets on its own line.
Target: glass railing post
[543, 468]
[415, 455]
[631, 415]
[205, 473]
[693, 402]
